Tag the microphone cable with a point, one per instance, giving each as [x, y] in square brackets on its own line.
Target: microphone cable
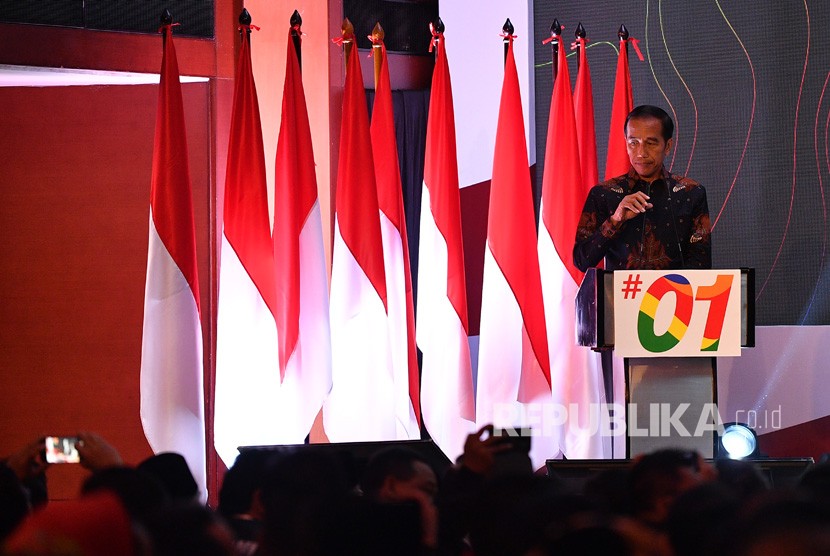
[643, 234]
[674, 225]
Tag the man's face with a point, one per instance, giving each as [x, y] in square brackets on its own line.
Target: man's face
[646, 146]
[423, 484]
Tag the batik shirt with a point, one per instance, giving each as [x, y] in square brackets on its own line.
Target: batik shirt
[673, 234]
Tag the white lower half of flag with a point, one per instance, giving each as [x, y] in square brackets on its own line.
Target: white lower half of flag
[407, 424]
[447, 395]
[248, 405]
[172, 393]
[504, 351]
[307, 379]
[576, 374]
[361, 405]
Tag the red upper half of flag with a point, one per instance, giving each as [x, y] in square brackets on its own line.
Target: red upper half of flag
[385, 147]
[356, 202]
[441, 179]
[295, 192]
[170, 193]
[562, 185]
[246, 224]
[584, 113]
[511, 233]
[390, 201]
[617, 162]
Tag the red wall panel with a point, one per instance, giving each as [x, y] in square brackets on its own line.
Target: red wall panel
[74, 208]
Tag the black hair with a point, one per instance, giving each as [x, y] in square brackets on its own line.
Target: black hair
[390, 462]
[649, 111]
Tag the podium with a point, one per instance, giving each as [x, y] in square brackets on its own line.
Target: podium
[669, 327]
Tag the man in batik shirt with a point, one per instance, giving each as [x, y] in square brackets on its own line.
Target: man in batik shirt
[648, 219]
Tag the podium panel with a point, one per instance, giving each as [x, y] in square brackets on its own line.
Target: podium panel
[670, 404]
[669, 325]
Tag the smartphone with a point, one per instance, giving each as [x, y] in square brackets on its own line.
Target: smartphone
[517, 438]
[516, 460]
[62, 449]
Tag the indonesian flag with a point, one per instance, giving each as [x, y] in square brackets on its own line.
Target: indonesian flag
[172, 394]
[247, 366]
[617, 162]
[300, 263]
[396, 258]
[447, 395]
[513, 365]
[574, 369]
[583, 103]
[361, 405]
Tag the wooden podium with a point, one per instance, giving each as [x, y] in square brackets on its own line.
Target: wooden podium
[669, 326]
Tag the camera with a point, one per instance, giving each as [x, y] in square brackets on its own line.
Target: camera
[61, 449]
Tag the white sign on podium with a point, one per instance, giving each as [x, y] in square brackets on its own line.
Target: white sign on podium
[683, 313]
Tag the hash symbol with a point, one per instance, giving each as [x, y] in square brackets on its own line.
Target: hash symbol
[632, 286]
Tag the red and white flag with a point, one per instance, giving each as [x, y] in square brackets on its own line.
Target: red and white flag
[447, 395]
[513, 363]
[247, 367]
[300, 264]
[172, 393]
[617, 162]
[361, 405]
[583, 105]
[575, 375]
[400, 305]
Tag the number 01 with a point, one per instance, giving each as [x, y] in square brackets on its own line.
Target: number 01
[716, 294]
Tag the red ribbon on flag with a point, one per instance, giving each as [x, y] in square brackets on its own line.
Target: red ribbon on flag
[553, 38]
[635, 42]
[168, 27]
[435, 36]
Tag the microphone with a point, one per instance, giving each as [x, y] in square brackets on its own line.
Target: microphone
[674, 226]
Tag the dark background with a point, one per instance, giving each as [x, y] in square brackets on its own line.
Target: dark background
[746, 85]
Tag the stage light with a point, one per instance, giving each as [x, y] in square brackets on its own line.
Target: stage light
[738, 441]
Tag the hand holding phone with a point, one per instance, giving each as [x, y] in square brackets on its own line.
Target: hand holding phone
[62, 449]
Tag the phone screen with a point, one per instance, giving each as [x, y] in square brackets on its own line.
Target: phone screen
[62, 449]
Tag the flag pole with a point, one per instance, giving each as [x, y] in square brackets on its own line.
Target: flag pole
[245, 26]
[296, 23]
[347, 35]
[377, 37]
[507, 29]
[555, 35]
[579, 34]
[245, 21]
[439, 29]
[623, 35]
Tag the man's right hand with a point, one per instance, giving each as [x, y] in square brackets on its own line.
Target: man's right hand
[631, 206]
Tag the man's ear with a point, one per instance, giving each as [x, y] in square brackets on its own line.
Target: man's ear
[669, 145]
[389, 487]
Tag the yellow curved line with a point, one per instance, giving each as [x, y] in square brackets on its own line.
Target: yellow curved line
[590, 45]
[685, 86]
[662, 92]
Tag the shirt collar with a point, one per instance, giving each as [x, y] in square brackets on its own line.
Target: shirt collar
[634, 178]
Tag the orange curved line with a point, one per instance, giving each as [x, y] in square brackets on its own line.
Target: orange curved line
[751, 116]
[795, 156]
